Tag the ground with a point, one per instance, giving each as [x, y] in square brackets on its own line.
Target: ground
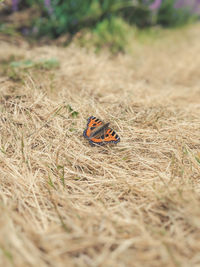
[65, 203]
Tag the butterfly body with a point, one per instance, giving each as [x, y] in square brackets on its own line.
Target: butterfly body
[99, 133]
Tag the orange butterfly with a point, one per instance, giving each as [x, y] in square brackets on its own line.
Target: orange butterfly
[99, 133]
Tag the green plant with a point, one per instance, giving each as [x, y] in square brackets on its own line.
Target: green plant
[47, 64]
[106, 21]
[72, 16]
[169, 16]
[112, 33]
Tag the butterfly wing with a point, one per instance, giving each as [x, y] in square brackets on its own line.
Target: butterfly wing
[109, 136]
[92, 123]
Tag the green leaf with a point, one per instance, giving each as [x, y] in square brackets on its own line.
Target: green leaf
[197, 159]
[50, 182]
[74, 113]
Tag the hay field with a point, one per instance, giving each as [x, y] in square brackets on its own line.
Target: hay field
[65, 203]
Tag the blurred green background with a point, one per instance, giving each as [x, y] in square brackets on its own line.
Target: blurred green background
[99, 22]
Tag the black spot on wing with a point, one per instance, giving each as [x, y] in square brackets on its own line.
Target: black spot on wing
[89, 120]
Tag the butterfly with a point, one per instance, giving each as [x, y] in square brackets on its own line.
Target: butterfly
[99, 133]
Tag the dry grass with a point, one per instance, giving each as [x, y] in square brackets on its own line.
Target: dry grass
[64, 203]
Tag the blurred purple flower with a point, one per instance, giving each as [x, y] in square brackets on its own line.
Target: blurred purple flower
[197, 7]
[182, 3]
[155, 5]
[193, 5]
[47, 4]
[15, 5]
